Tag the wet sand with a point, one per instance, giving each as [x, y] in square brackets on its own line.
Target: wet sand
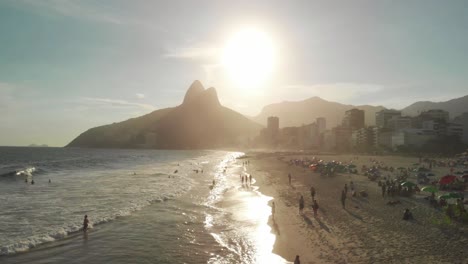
[367, 231]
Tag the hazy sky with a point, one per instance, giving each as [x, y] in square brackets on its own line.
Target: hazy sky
[66, 66]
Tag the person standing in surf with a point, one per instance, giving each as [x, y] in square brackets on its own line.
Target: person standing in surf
[85, 223]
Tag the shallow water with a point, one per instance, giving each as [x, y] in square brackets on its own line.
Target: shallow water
[140, 210]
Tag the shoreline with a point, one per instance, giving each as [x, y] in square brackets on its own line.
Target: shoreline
[367, 231]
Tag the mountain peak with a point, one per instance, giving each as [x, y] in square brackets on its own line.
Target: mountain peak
[195, 90]
[197, 95]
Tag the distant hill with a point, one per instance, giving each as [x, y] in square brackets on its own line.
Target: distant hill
[306, 111]
[38, 146]
[200, 122]
[455, 107]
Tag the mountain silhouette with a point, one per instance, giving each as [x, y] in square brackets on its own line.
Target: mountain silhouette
[200, 122]
[305, 112]
[455, 107]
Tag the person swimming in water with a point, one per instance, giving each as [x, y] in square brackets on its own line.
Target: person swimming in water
[85, 223]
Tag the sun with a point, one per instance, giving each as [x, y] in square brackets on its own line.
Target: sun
[248, 58]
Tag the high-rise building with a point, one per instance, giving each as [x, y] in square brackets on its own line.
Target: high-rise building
[321, 124]
[273, 124]
[354, 119]
[382, 117]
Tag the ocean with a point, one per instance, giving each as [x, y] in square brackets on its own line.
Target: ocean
[144, 206]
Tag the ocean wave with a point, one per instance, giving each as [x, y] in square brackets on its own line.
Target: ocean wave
[25, 244]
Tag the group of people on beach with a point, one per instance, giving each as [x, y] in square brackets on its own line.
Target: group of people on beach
[246, 179]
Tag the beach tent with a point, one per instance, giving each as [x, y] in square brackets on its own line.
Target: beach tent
[430, 189]
[447, 179]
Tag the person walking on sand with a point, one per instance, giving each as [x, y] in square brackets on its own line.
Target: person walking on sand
[297, 260]
[343, 198]
[312, 192]
[315, 207]
[250, 179]
[85, 223]
[383, 190]
[289, 177]
[301, 204]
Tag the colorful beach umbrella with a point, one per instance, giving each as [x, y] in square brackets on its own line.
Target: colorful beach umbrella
[408, 184]
[430, 189]
[447, 179]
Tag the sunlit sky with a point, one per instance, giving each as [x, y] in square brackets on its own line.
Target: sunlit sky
[66, 66]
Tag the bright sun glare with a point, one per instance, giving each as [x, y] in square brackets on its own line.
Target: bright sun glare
[249, 57]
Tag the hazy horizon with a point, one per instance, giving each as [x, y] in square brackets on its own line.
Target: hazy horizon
[68, 65]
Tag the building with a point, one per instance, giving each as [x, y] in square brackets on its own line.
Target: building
[412, 137]
[342, 136]
[435, 114]
[463, 121]
[354, 119]
[382, 117]
[321, 124]
[398, 123]
[365, 138]
[273, 124]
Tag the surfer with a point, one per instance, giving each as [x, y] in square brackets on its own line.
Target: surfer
[85, 223]
[50, 181]
[32, 182]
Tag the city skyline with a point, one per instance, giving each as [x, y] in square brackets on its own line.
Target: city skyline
[71, 65]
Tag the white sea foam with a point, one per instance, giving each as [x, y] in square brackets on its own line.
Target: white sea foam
[44, 212]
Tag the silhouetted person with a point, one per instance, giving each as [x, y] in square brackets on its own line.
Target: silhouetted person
[383, 189]
[312, 192]
[289, 177]
[315, 207]
[407, 215]
[32, 181]
[50, 181]
[85, 223]
[26, 180]
[214, 182]
[343, 198]
[297, 260]
[250, 178]
[301, 204]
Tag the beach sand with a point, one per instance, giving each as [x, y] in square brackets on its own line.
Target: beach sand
[367, 231]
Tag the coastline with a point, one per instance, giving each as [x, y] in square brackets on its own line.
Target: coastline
[367, 231]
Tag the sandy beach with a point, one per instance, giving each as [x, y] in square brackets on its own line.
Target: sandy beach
[367, 230]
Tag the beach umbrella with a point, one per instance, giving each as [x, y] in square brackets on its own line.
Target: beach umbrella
[408, 184]
[455, 195]
[445, 196]
[447, 179]
[430, 189]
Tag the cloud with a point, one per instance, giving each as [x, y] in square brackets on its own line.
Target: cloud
[140, 95]
[71, 8]
[6, 95]
[193, 53]
[115, 103]
[341, 92]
